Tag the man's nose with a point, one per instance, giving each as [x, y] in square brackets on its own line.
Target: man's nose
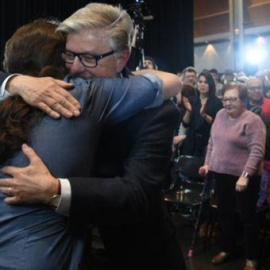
[76, 66]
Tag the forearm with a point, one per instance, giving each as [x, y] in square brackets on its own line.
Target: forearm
[47, 94]
[187, 117]
[171, 83]
[256, 137]
[4, 79]
[208, 152]
[207, 118]
[13, 85]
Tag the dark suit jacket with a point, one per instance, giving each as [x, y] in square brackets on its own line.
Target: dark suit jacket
[129, 209]
[3, 76]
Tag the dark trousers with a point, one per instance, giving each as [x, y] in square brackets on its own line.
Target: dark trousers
[229, 203]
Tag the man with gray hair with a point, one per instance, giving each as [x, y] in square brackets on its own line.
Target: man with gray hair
[189, 76]
[256, 97]
[125, 198]
[260, 105]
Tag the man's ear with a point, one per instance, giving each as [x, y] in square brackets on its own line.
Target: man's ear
[122, 60]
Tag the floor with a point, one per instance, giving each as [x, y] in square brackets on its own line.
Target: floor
[202, 253]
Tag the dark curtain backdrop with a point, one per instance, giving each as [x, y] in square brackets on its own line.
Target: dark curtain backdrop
[168, 38]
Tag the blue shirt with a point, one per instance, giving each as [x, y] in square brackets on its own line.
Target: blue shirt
[34, 237]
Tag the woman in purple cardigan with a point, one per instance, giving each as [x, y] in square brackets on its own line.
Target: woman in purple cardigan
[234, 154]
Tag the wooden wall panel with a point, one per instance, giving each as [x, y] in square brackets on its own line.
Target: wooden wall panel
[254, 2]
[257, 14]
[211, 25]
[210, 17]
[207, 7]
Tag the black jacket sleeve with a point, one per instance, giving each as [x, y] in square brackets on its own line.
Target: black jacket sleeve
[133, 163]
[3, 76]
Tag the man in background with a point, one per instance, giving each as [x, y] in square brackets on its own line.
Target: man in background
[189, 76]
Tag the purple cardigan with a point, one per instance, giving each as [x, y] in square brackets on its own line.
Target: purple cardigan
[236, 145]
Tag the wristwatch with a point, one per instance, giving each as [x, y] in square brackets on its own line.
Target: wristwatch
[55, 200]
[245, 174]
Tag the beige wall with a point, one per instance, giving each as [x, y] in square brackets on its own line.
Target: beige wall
[216, 42]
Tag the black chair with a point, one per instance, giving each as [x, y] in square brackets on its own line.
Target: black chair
[185, 193]
[264, 224]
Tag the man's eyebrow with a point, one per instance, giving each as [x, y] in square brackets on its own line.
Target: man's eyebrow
[83, 52]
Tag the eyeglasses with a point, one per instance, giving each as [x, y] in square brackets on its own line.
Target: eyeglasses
[255, 88]
[87, 60]
[230, 100]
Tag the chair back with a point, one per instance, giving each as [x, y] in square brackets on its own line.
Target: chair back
[188, 168]
[189, 191]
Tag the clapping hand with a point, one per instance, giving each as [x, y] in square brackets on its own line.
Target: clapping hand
[187, 104]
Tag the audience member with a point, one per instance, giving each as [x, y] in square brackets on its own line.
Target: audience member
[179, 73]
[199, 116]
[256, 97]
[228, 76]
[241, 77]
[189, 76]
[257, 103]
[188, 92]
[263, 75]
[219, 85]
[129, 210]
[234, 154]
[148, 63]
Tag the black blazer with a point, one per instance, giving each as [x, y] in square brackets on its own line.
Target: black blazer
[137, 231]
[3, 76]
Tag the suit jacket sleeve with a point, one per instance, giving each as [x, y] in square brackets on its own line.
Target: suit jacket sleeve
[3, 76]
[138, 152]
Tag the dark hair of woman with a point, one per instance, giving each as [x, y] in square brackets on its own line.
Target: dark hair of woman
[211, 83]
[189, 92]
[34, 49]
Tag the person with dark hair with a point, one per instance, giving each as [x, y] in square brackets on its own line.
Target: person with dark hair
[219, 85]
[122, 193]
[148, 63]
[234, 155]
[43, 234]
[228, 76]
[188, 92]
[200, 115]
[37, 48]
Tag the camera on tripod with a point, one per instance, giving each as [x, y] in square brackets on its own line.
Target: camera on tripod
[139, 11]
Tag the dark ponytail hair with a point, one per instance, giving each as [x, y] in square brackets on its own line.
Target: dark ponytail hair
[34, 49]
[17, 119]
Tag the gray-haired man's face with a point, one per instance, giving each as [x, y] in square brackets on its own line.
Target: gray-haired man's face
[94, 43]
[189, 78]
